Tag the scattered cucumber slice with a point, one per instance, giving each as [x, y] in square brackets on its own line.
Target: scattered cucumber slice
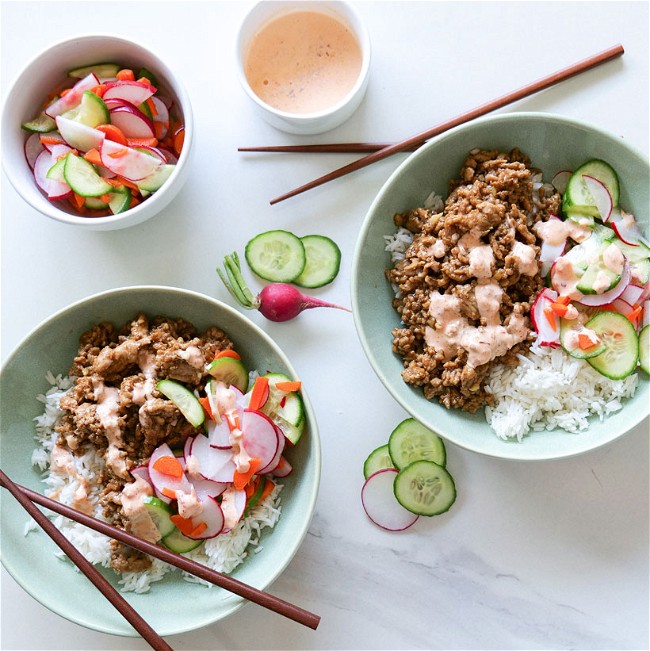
[378, 459]
[619, 336]
[147, 74]
[100, 70]
[229, 371]
[90, 111]
[159, 513]
[410, 441]
[93, 203]
[644, 349]
[179, 543]
[184, 399]
[577, 193]
[322, 261]
[596, 271]
[55, 173]
[277, 256]
[81, 176]
[425, 488]
[41, 124]
[155, 180]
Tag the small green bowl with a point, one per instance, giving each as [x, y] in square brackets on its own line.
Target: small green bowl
[552, 143]
[173, 605]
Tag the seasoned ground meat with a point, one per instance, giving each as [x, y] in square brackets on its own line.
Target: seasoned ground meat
[114, 404]
[467, 281]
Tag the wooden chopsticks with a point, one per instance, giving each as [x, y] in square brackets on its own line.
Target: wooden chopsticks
[325, 148]
[97, 579]
[27, 496]
[419, 139]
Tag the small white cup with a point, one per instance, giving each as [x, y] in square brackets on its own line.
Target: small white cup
[305, 123]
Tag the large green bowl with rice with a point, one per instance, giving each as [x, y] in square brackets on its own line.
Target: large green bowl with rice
[552, 143]
[172, 605]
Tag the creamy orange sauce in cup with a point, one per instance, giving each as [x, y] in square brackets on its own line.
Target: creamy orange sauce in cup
[303, 62]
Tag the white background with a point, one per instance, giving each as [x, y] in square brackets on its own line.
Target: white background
[532, 556]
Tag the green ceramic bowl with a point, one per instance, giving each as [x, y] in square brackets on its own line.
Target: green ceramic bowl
[173, 605]
[552, 143]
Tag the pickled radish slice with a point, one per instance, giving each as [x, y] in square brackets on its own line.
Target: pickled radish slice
[380, 504]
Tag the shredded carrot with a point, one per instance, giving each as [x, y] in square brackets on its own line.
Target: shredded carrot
[563, 300]
[152, 106]
[168, 492]
[134, 201]
[585, 342]
[559, 308]
[267, 490]
[259, 393]
[251, 487]
[125, 75]
[233, 421]
[51, 140]
[550, 317]
[99, 90]
[142, 142]
[197, 531]
[288, 387]
[227, 353]
[79, 201]
[65, 91]
[241, 478]
[169, 466]
[179, 139]
[119, 153]
[205, 403]
[635, 314]
[105, 198]
[93, 156]
[184, 525]
[127, 183]
[113, 133]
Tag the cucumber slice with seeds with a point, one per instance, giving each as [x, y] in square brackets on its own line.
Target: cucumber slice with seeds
[411, 441]
[577, 193]
[229, 371]
[100, 70]
[184, 399]
[81, 176]
[55, 173]
[619, 336]
[119, 199]
[41, 124]
[277, 256]
[378, 459]
[159, 513]
[425, 488]
[90, 111]
[322, 261]
[179, 543]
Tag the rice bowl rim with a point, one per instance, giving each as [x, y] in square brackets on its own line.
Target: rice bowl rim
[232, 602]
[411, 399]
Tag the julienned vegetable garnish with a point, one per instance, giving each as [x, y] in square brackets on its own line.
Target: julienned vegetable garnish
[407, 478]
[597, 263]
[277, 301]
[107, 142]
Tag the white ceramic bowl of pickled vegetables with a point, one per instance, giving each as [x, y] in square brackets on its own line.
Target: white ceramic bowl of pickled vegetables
[97, 132]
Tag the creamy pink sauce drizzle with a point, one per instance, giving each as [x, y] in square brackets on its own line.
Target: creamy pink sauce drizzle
[303, 62]
[132, 496]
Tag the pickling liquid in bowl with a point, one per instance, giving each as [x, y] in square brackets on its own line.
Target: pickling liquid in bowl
[303, 62]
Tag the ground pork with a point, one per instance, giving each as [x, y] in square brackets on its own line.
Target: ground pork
[128, 361]
[496, 200]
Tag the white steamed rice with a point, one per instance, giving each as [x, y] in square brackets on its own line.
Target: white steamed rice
[548, 389]
[223, 553]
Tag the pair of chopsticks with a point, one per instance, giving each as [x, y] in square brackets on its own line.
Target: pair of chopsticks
[381, 151]
[29, 498]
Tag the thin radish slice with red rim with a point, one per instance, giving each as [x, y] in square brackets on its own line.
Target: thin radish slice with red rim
[233, 503]
[596, 300]
[283, 469]
[632, 294]
[132, 122]
[211, 516]
[207, 487]
[55, 190]
[154, 151]
[72, 97]
[627, 229]
[127, 162]
[260, 438]
[646, 314]
[620, 306]
[164, 483]
[49, 140]
[210, 461]
[544, 318]
[161, 117]
[560, 180]
[601, 196]
[645, 294]
[380, 504]
[134, 92]
[219, 434]
[270, 467]
[33, 147]
[143, 472]
[170, 156]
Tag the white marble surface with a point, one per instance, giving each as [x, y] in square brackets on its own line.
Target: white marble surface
[533, 556]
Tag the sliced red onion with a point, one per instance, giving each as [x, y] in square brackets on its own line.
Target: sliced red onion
[646, 313]
[596, 300]
[632, 294]
[621, 306]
